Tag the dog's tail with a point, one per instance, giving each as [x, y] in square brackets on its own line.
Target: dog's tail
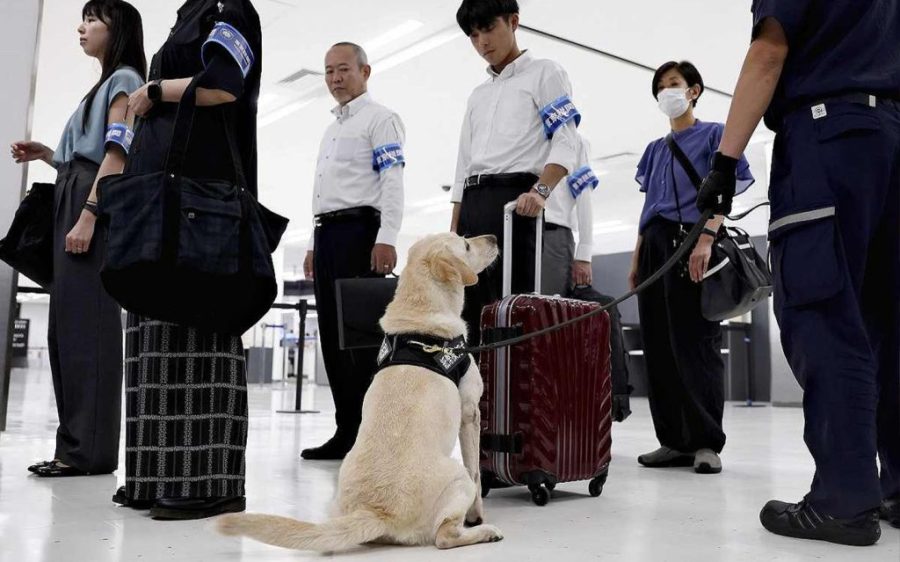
[340, 533]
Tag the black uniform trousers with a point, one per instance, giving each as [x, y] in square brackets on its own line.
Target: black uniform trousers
[835, 241]
[343, 250]
[84, 337]
[682, 350]
[481, 213]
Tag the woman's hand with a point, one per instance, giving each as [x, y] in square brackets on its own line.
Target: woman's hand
[699, 262]
[633, 277]
[78, 241]
[139, 101]
[29, 151]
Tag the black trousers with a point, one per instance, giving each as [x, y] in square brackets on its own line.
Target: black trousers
[84, 337]
[343, 249]
[682, 351]
[481, 213]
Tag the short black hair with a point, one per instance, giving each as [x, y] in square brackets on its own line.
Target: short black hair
[686, 69]
[480, 14]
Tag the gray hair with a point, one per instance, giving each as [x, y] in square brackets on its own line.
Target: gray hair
[361, 57]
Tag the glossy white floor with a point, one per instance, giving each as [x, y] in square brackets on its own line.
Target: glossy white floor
[642, 515]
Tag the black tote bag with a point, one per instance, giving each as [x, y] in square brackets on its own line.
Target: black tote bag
[186, 250]
[28, 245]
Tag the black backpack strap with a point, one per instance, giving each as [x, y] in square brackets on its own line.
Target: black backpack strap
[684, 161]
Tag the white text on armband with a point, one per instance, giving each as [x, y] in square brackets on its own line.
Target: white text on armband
[119, 134]
[387, 156]
[230, 38]
[558, 113]
[582, 179]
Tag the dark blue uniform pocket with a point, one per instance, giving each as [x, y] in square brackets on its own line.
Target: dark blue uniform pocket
[846, 120]
[807, 262]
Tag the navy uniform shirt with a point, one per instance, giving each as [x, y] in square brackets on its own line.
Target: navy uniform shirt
[197, 44]
[835, 47]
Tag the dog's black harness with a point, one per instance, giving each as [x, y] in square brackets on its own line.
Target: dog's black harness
[435, 354]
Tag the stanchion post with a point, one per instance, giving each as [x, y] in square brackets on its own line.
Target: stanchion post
[302, 307]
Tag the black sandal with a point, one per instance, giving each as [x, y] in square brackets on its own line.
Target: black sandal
[121, 498]
[34, 468]
[54, 469]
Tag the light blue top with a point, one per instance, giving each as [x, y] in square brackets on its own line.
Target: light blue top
[90, 141]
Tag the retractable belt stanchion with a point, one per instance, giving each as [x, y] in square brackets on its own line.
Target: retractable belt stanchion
[302, 307]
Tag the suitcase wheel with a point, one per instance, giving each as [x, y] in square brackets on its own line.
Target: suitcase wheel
[539, 494]
[596, 485]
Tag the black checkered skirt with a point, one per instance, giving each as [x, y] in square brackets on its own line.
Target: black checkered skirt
[186, 411]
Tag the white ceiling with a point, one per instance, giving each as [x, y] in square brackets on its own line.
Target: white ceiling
[424, 68]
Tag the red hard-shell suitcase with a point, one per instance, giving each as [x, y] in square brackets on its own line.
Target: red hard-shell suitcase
[546, 411]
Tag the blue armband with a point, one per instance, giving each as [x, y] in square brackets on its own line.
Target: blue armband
[582, 179]
[230, 38]
[557, 114]
[387, 156]
[121, 135]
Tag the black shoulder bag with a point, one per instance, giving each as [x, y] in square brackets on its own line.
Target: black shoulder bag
[738, 278]
[188, 250]
[28, 246]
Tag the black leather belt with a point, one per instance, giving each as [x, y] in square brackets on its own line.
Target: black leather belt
[347, 214]
[549, 226]
[518, 179]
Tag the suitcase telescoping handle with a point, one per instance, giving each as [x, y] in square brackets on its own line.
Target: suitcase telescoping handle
[508, 211]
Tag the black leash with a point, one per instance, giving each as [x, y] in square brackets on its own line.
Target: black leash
[685, 247]
[743, 215]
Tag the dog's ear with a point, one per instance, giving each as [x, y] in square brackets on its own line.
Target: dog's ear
[448, 267]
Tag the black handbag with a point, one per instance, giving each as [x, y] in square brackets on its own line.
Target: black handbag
[361, 304]
[191, 251]
[28, 245]
[738, 278]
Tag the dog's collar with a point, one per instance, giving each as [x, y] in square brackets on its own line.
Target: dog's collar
[435, 354]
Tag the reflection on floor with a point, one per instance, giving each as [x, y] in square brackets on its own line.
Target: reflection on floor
[643, 514]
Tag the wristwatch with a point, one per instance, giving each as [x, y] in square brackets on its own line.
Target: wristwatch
[710, 232]
[543, 190]
[154, 91]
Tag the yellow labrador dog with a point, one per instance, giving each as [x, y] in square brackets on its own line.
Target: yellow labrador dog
[399, 484]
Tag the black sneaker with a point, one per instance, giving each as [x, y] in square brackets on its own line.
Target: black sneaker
[890, 511]
[182, 509]
[802, 521]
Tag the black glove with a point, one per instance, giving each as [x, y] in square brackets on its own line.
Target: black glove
[717, 190]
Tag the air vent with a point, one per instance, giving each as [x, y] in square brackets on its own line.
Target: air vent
[299, 75]
[609, 157]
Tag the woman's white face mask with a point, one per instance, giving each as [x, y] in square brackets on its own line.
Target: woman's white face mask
[673, 102]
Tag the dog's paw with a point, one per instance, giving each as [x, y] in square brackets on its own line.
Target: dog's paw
[491, 533]
[231, 525]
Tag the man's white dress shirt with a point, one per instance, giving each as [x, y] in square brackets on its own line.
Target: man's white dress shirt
[361, 165]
